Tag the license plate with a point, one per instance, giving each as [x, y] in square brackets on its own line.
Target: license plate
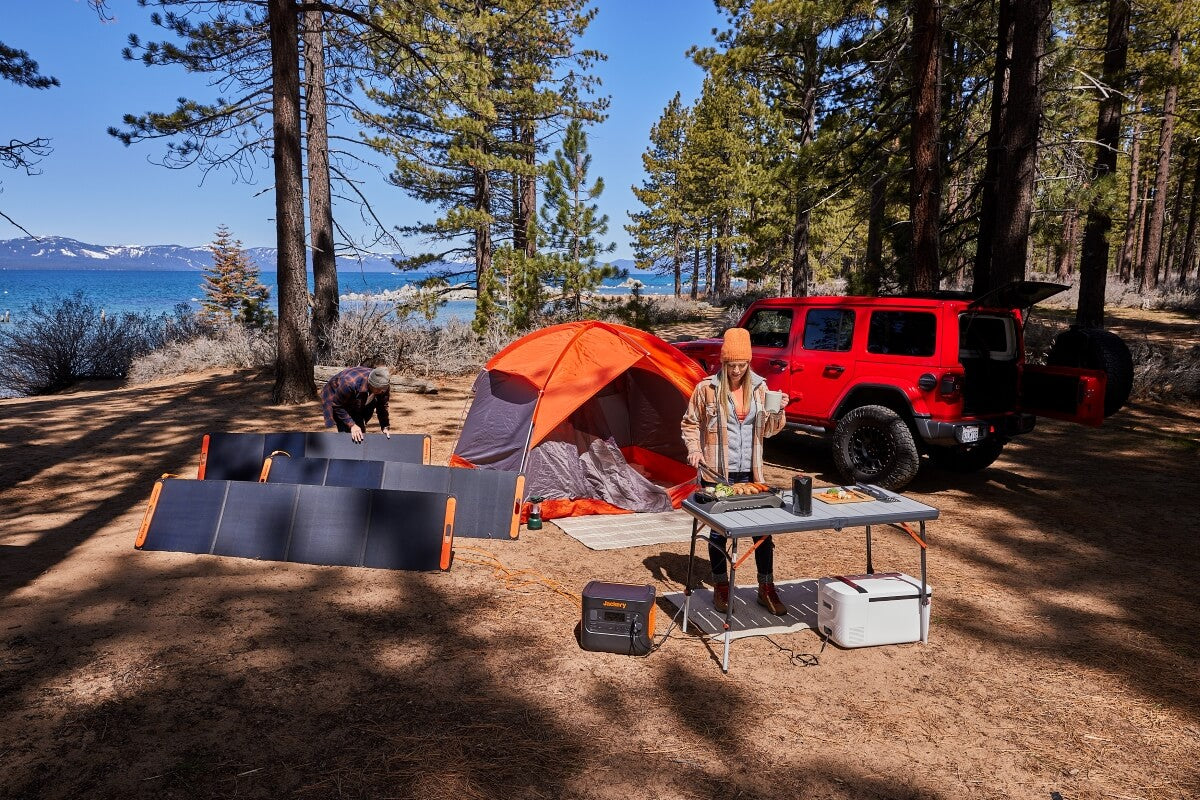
[969, 435]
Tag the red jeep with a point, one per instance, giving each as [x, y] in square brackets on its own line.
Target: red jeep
[942, 374]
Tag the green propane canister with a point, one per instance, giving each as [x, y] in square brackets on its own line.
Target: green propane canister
[534, 523]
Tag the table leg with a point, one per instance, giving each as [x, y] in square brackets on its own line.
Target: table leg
[924, 599]
[687, 586]
[870, 566]
[732, 599]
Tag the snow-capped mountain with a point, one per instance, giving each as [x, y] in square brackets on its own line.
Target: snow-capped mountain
[60, 252]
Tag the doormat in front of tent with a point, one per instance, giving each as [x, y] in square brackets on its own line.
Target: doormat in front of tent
[615, 531]
[749, 618]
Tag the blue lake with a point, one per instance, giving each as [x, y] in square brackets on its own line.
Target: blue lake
[154, 292]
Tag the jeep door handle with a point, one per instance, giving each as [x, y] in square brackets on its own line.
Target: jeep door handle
[777, 364]
[835, 369]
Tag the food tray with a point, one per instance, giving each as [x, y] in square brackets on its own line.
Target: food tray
[741, 502]
[856, 496]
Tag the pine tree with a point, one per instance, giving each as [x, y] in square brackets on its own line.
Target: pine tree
[659, 231]
[232, 290]
[572, 226]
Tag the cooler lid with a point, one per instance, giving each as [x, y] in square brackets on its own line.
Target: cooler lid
[881, 584]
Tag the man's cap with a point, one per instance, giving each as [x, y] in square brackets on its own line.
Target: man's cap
[736, 346]
[380, 378]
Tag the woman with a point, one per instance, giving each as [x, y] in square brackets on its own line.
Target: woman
[723, 428]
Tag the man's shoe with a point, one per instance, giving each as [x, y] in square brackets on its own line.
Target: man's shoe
[768, 598]
[721, 597]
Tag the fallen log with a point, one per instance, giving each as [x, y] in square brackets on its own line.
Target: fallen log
[322, 374]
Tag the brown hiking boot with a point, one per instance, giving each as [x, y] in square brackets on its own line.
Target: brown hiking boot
[721, 596]
[768, 598]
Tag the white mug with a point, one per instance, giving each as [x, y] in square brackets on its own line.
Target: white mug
[774, 402]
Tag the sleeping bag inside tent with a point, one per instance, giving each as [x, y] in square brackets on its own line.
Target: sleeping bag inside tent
[590, 412]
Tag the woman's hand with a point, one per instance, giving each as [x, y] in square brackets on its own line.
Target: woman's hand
[695, 459]
[356, 433]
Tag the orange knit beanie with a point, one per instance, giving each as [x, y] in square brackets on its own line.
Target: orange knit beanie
[736, 346]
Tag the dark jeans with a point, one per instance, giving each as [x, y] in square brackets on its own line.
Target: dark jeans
[360, 419]
[764, 555]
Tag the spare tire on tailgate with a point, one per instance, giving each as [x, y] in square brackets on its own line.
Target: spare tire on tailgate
[1094, 348]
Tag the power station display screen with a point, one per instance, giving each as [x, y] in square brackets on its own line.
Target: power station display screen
[614, 616]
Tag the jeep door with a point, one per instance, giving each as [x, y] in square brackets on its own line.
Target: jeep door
[821, 362]
[770, 338]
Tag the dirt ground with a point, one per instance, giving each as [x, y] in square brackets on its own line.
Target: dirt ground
[1062, 657]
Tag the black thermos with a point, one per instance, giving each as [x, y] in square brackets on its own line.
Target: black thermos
[802, 495]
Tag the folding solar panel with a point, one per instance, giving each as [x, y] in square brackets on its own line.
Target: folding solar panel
[400, 528]
[357, 474]
[183, 516]
[488, 501]
[330, 525]
[282, 469]
[240, 456]
[409, 447]
[257, 521]
[231, 456]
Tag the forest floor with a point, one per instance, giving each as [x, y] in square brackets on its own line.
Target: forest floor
[1062, 656]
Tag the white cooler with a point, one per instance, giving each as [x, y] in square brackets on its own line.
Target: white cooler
[866, 610]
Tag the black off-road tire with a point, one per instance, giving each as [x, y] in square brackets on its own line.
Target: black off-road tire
[968, 459]
[1093, 348]
[873, 444]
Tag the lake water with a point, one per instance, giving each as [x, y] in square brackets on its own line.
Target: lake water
[155, 292]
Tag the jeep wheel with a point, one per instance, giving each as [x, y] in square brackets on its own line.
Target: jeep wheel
[968, 459]
[872, 444]
[1093, 348]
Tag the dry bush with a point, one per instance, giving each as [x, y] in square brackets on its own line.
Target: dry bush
[452, 349]
[229, 346]
[369, 335]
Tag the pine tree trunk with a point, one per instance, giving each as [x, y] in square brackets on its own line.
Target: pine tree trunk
[925, 201]
[320, 201]
[724, 255]
[1014, 206]
[873, 266]
[1093, 262]
[1176, 219]
[1065, 247]
[528, 204]
[985, 239]
[696, 273]
[1158, 209]
[1125, 259]
[294, 360]
[1189, 240]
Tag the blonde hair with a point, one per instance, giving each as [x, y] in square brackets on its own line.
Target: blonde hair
[724, 391]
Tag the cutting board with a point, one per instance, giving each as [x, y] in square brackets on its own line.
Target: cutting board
[854, 496]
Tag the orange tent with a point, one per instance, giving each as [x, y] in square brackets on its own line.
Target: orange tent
[578, 383]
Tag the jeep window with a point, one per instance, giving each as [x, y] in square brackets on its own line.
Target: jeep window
[769, 327]
[902, 333]
[828, 329]
[981, 335]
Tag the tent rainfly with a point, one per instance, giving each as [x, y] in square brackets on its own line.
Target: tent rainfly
[590, 412]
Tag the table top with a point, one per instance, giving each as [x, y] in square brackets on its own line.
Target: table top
[766, 521]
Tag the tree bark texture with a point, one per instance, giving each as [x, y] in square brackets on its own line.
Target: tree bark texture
[873, 264]
[294, 360]
[985, 239]
[1125, 259]
[1162, 175]
[1093, 263]
[1014, 206]
[320, 200]
[925, 201]
[1189, 241]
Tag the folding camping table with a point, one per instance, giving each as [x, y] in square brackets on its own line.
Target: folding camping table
[895, 509]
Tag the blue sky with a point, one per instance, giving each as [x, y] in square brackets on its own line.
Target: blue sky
[95, 189]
